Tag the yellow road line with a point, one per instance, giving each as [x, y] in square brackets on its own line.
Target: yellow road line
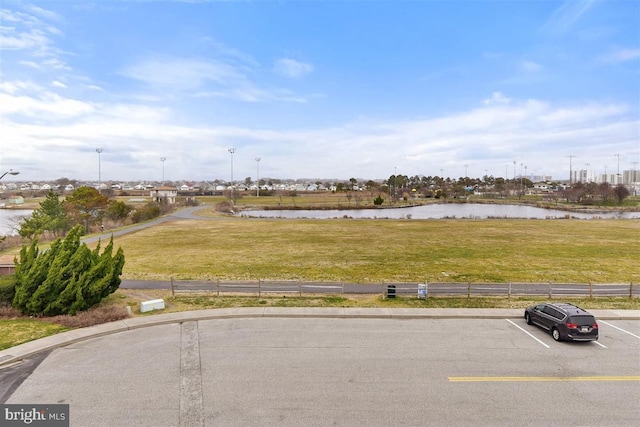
[544, 379]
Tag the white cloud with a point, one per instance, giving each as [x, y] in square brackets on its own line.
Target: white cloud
[621, 55]
[27, 32]
[59, 84]
[496, 98]
[180, 73]
[291, 68]
[530, 66]
[566, 15]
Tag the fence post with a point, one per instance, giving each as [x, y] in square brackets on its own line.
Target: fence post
[509, 292]
[342, 292]
[218, 286]
[550, 290]
[259, 288]
[590, 290]
[631, 290]
[384, 295]
[468, 290]
[300, 289]
[172, 290]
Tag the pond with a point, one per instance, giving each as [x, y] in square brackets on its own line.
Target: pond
[9, 219]
[442, 211]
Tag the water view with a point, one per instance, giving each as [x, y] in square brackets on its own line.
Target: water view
[442, 211]
[9, 219]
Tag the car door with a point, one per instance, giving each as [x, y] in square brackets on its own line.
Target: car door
[537, 315]
[549, 317]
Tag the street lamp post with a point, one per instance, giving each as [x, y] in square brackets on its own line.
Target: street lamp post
[521, 187]
[162, 159]
[99, 151]
[9, 172]
[258, 176]
[232, 151]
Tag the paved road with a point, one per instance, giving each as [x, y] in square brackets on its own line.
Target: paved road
[343, 372]
[182, 214]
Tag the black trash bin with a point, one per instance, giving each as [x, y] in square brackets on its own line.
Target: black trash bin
[391, 291]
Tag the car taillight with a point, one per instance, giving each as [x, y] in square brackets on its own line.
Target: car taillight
[572, 325]
[594, 326]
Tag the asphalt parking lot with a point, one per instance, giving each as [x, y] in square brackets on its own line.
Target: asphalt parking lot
[344, 372]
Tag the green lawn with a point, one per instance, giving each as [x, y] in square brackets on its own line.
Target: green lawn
[18, 331]
[374, 251]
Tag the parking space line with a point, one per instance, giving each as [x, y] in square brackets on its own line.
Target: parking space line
[620, 329]
[601, 345]
[527, 333]
[543, 379]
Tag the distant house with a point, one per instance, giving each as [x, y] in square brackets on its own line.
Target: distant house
[164, 195]
[68, 187]
[16, 200]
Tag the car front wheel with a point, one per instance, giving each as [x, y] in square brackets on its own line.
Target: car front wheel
[527, 317]
[556, 334]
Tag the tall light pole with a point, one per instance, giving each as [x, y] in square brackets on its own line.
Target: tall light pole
[232, 151]
[570, 156]
[514, 172]
[99, 151]
[162, 159]
[258, 176]
[618, 173]
[521, 188]
[10, 172]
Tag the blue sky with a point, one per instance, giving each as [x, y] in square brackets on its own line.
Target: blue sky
[317, 89]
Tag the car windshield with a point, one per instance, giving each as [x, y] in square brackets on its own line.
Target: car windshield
[582, 320]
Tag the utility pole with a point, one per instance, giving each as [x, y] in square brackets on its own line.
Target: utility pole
[162, 159]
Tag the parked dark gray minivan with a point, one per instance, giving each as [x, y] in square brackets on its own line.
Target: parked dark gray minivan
[565, 321]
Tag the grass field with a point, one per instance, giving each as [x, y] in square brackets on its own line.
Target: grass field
[363, 251]
[374, 251]
[18, 331]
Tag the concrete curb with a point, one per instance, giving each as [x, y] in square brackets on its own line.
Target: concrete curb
[19, 352]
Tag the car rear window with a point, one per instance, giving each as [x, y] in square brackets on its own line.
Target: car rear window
[582, 320]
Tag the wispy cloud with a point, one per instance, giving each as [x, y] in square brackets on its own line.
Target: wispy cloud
[168, 72]
[291, 68]
[22, 31]
[530, 66]
[564, 17]
[621, 55]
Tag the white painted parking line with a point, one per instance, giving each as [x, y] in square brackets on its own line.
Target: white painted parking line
[601, 345]
[620, 329]
[527, 333]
